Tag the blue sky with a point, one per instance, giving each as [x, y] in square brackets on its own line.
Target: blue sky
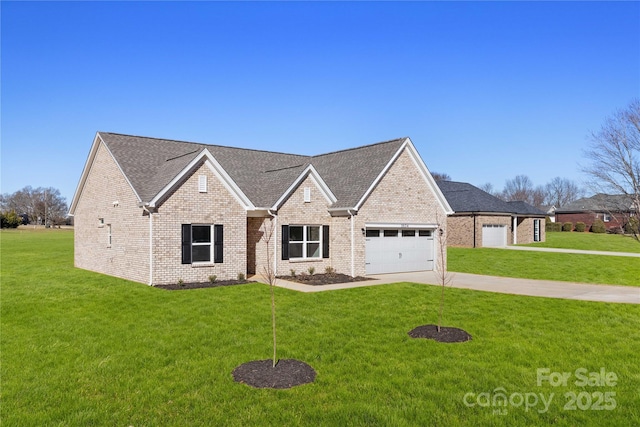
[485, 90]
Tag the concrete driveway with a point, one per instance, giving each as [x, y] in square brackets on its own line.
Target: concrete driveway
[505, 285]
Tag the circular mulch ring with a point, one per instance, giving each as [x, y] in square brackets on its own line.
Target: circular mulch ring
[286, 374]
[446, 334]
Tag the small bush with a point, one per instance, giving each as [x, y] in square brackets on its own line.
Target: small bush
[213, 278]
[180, 282]
[567, 226]
[598, 226]
[329, 270]
[553, 226]
[580, 227]
[240, 277]
[293, 272]
[633, 226]
[312, 270]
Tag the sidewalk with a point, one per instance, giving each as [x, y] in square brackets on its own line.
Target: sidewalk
[570, 251]
[505, 285]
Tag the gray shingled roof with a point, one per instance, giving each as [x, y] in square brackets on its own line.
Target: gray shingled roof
[464, 197]
[151, 164]
[599, 203]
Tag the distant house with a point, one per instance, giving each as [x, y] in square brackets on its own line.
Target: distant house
[550, 211]
[614, 210]
[158, 211]
[483, 220]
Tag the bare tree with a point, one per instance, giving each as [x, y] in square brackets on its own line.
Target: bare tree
[488, 187]
[438, 176]
[444, 277]
[45, 205]
[269, 274]
[614, 155]
[521, 189]
[560, 192]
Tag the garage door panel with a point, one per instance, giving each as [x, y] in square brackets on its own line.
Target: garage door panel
[399, 253]
[494, 235]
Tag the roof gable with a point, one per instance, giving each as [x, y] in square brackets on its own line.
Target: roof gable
[258, 179]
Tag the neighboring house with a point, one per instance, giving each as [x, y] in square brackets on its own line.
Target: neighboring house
[614, 210]
[483, 220]
[158, 211]
[550, 211]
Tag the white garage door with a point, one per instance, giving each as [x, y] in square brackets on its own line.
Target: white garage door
[494, 235]
[398, 250]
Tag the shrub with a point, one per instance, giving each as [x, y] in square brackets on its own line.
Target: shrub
[240, 277]
[10, 220]
[553, 226]
[633, 226]
[329, 270]
[567, 226]
[180, 282]
[213, 278]
[293, 272]
[598, 226]
[312, 270]
[580, 227]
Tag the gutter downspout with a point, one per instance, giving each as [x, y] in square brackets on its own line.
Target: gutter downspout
[475, 217]
[146, 208]
[353, 256]
[274, 216]
[515, 229]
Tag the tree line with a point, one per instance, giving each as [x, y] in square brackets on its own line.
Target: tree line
[41, 206]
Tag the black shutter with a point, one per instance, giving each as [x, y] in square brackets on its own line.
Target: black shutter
[218, 243]
[285, 242]
[325, 241]
[186, 243]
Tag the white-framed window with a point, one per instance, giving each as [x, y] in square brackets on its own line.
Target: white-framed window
[202, 243]
[606, 217]
[305, 241]
[536, 230]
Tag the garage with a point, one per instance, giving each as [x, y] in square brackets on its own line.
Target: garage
[397, 250]
[494, 235]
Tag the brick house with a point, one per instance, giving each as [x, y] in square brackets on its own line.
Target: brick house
[158, 211]
[614, 210]
[483, 220]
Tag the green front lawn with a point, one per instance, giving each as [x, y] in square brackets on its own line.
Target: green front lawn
[79, 348]
[589, 242]
[566, 267]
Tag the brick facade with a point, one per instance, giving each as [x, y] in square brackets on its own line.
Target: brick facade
[147, 246]
[616, 222]
[186, 205]
[128, 254]
[461, 229]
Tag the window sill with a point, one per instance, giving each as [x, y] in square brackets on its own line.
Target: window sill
[294, 260]
[202, 264]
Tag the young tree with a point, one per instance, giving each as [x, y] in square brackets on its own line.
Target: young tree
[444, 277]
[269, 274]
[43, 204]
[614, 155]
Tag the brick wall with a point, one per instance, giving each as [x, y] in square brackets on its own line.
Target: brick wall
[186, 205]
[128, 254]
[461, 229]
[402, 196]
[617, 220]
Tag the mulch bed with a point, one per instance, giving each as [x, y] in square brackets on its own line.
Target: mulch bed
[286, 374]
[183, 286]
[446, 334]
[323, 279]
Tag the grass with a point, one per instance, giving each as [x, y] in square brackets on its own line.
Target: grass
[589, 242]
[79, 348]
[566, 267]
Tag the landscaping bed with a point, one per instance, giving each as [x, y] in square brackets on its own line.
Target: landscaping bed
[199, 285]
[323, 279]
